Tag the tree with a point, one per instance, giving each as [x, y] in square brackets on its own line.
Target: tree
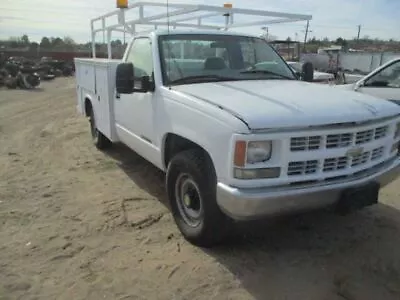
[15, 42]
[25, 40]
[342, 42]
[33, 46]
[339, 41]
[56, 42]
[313, 40]
[116, 43]
[45, 43]
[69, 43]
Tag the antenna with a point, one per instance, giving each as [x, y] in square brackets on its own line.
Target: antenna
[168, 16]
[169, 46]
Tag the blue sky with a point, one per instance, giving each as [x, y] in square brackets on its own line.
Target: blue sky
[331, 18]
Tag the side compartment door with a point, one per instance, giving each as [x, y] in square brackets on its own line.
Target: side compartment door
[384, 84]
[134, 113]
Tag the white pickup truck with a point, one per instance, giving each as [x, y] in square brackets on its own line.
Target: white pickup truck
[238, 135]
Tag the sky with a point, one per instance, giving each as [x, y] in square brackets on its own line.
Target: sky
[330, 18]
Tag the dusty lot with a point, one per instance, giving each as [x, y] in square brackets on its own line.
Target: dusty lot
[76, 223]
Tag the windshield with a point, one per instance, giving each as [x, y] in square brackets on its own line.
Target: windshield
[191, 58]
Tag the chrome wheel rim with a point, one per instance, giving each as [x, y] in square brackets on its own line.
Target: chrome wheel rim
[188, 200]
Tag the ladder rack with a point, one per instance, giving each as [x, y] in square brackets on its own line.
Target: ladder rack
[182, 15]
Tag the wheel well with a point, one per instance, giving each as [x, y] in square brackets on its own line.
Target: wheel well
[175, 144]
[88, 107]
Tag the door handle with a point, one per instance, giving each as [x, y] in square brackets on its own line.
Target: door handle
[117, 96]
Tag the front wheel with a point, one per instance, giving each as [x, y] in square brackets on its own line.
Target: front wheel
[99, 140]
[191, 188]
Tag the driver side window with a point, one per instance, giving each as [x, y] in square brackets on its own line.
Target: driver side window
[140, 55]
[388, 77]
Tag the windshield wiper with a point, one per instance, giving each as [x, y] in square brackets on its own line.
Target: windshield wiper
[265, 72]
[202, 78]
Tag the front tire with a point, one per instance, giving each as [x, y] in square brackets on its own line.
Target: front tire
[99, 140]
[191, 187]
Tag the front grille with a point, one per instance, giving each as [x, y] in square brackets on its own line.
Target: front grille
[297, 168]
[305, 143]
[332, 164]
[339, 140]
[335, 163]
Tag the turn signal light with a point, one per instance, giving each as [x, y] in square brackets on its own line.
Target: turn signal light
[239, 158]
[227, 5]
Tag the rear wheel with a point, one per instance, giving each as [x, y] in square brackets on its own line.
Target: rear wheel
[99, 140]
[191, 187]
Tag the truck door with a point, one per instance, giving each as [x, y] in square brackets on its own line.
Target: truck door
[384, 84]
[134, 113]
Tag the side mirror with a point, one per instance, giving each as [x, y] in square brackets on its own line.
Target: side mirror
[307, 72]
[124, 78]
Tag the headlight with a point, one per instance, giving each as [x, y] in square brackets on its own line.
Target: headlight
[258, 151]
[252, 152]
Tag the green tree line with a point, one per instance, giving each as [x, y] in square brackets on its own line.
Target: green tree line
[68, 44]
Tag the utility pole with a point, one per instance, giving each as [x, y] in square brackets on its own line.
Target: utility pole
[306, 35]
[359, 30]
[266, 32]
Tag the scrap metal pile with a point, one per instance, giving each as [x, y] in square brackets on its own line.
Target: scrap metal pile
[19, 72]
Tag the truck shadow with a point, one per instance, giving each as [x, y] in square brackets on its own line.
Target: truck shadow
[141, 172]
[316, 255]
[319, 256]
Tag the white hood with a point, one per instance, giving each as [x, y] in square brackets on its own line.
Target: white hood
[285, 103]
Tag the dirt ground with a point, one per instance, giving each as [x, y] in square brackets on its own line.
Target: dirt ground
[76, 223]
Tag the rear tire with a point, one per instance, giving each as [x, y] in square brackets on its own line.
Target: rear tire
[99, 140]
[191, 188]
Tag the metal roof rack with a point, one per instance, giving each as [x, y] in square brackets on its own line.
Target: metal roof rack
[181, 15]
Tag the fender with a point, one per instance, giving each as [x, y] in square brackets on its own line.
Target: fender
[87, 97]
[184, 135]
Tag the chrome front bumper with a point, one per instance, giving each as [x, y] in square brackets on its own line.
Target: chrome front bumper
[255, 203]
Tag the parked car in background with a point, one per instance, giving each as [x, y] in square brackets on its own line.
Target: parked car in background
[383, 82]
